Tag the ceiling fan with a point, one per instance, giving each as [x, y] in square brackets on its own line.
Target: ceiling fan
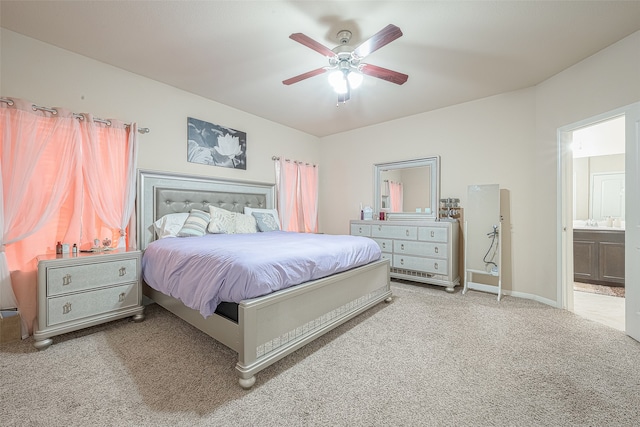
[345, 63]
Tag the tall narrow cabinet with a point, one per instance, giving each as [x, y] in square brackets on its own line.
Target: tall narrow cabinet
[420, 251]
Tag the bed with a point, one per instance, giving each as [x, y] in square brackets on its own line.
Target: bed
[262, 330]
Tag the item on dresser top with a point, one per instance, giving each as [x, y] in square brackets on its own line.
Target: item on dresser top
[367, 213]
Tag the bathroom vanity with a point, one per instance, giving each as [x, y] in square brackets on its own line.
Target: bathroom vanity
[598, 255]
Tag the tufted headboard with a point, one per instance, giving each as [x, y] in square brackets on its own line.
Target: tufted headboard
[160, 193]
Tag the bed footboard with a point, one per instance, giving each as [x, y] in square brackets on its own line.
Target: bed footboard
[276, 325]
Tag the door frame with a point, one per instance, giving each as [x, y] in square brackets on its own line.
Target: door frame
[565, 202]
[565, 206]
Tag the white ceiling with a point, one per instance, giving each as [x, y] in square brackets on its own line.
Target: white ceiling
[238, 52]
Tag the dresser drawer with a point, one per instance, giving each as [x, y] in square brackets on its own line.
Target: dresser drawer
[425, 249]
[434, 266]
[433, 234]
[386, 245]
[360, 230]
[65, 279]
[395, 231]
[67, 308]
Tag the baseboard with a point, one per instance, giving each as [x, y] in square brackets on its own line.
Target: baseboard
[537, 298]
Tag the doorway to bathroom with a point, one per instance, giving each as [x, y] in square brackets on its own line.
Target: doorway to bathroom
[598, 152]
[628, 223]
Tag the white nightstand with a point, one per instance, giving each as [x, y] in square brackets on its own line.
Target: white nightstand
[78, 291]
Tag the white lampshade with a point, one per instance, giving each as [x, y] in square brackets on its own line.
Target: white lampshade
[337, 81]
[355, 79]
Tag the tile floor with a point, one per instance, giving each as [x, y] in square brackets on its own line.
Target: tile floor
[600, 308]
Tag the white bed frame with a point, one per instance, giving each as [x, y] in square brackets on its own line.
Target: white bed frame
[268, 327]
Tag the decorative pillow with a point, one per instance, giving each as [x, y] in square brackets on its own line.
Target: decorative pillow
[195, 225]
[272, 212]
[170, 224]
[266, 221]
[222, 221]
[245, 224]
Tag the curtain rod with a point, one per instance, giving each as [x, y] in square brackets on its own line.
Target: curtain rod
[274, 158]
[77, 116]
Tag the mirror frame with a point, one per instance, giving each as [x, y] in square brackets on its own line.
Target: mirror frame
[434, 163]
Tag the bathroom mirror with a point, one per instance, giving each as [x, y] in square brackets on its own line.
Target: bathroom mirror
[408, 189]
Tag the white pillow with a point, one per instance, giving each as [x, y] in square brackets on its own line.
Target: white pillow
[170, 224]
[222, 221]
[245, 224]
[272, 212]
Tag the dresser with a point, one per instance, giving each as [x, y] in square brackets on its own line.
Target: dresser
[420, 251]
[87, 289]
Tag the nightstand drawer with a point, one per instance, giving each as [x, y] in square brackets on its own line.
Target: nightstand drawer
[84, 304]
[62, 280]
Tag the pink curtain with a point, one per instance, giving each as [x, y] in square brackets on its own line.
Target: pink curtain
[396, 198]
[297, 195]
[108, 167]
[33, 185]
[43, 197]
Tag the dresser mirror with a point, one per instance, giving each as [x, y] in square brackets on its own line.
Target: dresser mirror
[408, 189]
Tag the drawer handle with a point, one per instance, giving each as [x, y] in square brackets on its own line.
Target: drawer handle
[66, 280]
[433, 233]
[66, 309]
[435, 265]
[360, 230]
[384, 245]
[436, 249]
[123, 271]
[407, 232]
[121, 297]
[402, 247]
[379, 228]
[401, 261]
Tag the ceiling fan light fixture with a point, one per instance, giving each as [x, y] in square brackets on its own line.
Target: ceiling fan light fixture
[355, 79]
[339, 84]
[337, 81]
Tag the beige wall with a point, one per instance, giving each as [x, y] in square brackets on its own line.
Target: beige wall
[50, 76]
[603, 82]
[508, 139]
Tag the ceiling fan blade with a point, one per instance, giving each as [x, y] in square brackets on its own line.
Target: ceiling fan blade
[312, 44]
[381, 38]
[384, 74]
[303, 76]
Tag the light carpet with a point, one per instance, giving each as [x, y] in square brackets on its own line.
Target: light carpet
[428, 358]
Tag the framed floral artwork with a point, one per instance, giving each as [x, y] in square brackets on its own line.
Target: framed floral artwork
[215, 145]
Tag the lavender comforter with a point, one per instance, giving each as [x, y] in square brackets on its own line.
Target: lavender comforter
[204, 271]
